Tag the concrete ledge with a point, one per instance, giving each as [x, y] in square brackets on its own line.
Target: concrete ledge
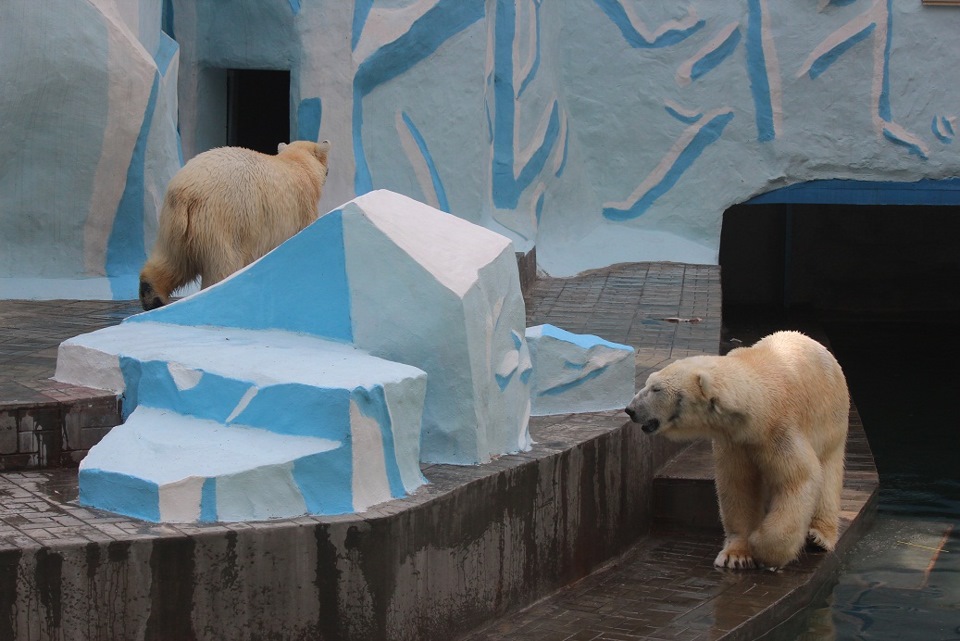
[476, 543]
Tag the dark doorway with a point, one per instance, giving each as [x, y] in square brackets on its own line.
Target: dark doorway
[258, 109]
[898, 260]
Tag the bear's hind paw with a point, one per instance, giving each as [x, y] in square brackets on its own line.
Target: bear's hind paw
[818, 539]
[734, 559]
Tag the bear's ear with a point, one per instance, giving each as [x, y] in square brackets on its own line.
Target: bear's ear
[281, 147]
[323, 148]
[708, 389]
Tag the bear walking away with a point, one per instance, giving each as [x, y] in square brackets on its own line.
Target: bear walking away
[226, 208]
[777, 413]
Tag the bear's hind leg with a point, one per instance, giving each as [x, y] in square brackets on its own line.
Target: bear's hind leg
[794, 496]
[826, 518]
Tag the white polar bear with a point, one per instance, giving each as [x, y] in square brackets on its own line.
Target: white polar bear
[228, 207]
[777, 413]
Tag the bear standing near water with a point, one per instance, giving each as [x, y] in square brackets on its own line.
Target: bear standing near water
[226, 208]
[777, 413]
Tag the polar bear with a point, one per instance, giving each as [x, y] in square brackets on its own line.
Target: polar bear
[777, 413]
[228, 207]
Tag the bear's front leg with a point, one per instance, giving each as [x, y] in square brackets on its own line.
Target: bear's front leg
[740, 496]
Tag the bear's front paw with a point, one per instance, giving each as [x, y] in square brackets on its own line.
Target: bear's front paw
[735, 556]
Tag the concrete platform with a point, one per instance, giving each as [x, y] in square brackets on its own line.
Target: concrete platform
[569, 527]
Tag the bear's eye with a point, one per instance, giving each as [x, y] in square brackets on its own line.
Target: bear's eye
[656, 388]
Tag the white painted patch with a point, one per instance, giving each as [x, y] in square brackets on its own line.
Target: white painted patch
[180, 500]
[242, 405]
[184, 378]
[370, 484]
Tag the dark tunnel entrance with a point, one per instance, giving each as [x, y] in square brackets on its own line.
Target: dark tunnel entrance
[258, 109]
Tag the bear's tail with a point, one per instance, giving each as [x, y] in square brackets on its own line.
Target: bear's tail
[169, 266]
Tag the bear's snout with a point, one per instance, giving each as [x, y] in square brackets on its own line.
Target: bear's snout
[632, 414]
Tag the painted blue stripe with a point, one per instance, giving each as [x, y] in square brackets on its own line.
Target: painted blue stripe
[440, 23]
[536, 60]
[309, 116]
[707, 135]
[120, 493]
[861, 192]
[634, 38]
[909, 146]
[166, 50]
[428, 159]
[299, 410]
[208, 501]
[126, 246]
[566, 149]
[935, 125]
[373, 404]
[884, 108]
[757, 69]
[824, 62]
[361, 9]
[295, 6]
[556, 390]
[710, 60]
[539, 211]
[947, 126]
[689, 120]
[326, 481]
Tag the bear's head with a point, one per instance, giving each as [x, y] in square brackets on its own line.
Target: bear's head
[320, 150]
[680, 401]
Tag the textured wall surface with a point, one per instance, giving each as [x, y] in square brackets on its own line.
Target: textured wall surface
[600, 131]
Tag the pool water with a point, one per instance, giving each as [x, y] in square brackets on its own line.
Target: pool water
[902, 579]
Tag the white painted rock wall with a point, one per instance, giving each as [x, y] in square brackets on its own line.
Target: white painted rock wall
[88, 143]
[578, 372]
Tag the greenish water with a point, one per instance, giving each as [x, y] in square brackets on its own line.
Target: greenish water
[902, 579]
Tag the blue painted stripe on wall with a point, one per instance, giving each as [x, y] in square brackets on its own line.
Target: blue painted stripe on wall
[906, 144]
[428, 159]
[309, 116]
[299, 410]
[713, 58]
[634, 38]
[862, 192]
[120, 493]
[208, 501]
[126, 246]
[441, 22]
[361, 9]
[886, 111]
[166, 49]
[689, 120]
[373, 404]
[757, 69]
[295, 6]
[326, 481]
[566, 149]
[536, 60]
[707, 135]
[824, 62]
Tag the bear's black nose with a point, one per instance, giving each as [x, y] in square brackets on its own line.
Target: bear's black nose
[631, 414]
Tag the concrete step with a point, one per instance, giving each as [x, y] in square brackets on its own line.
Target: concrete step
[684, 495]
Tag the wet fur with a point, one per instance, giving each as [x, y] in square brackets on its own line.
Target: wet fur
[228, 207]
[777, 413]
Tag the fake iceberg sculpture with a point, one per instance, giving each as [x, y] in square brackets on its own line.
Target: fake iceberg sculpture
[578, 372]
[384, 334]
